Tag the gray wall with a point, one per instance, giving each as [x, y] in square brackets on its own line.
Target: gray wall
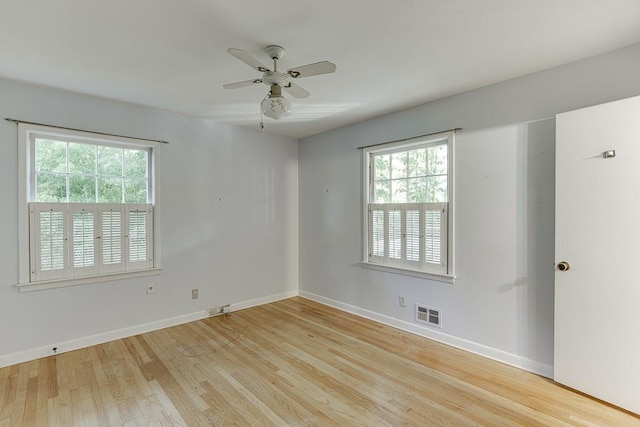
[229, 221]
[502, 302]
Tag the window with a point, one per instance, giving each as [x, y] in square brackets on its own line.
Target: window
[408, 205]
[87, 205]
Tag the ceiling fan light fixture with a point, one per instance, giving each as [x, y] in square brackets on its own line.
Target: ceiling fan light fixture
[275, 105]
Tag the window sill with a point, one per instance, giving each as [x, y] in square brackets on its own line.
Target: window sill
[406, 272]
[63, 283]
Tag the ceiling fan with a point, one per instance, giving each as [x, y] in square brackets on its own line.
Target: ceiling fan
[274, 105]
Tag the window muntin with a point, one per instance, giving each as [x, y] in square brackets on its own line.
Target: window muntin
[407, 204]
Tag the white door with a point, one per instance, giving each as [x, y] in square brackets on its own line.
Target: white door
[597, 300]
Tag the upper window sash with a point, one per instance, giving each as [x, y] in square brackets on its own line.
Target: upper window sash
[411, 171]
[27, 135]
[68, 170]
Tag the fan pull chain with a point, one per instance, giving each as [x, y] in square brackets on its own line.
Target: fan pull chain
[261, 116]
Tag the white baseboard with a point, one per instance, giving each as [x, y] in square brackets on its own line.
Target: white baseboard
[78, 343]
[263, 300]
[470, 346]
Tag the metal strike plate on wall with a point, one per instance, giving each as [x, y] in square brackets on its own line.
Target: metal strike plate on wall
[609, 154]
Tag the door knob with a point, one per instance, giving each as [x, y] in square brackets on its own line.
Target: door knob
[563, 266]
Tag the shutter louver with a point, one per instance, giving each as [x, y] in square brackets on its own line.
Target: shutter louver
[377, 224]
[412, 235]
[52, 247]
[139, 243]
[395, 234]
[137, 236]
[83, 239]
[49, 242]
[432, 236]
[112, 239]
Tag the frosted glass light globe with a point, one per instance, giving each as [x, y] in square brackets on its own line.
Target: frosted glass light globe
[276, 107]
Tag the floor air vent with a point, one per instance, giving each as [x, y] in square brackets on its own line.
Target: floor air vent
[428, 315]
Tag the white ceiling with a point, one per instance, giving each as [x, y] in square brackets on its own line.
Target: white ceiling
[171, 54]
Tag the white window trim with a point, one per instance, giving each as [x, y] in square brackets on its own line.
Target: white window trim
[449, 276]
[446, 278]
[26, 135]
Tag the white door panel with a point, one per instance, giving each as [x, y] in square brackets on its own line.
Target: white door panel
[597, 301]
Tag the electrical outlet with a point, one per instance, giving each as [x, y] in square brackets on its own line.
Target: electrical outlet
[194, 293]
[151, 288]
[402, 300]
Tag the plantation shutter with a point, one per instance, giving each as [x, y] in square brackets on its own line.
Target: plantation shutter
[139, 245]
[410, 235]
[48, 235]
[394, 241]
[111, 239]
[435, 236]
[83, 241]
[376, 234]
[413, 236]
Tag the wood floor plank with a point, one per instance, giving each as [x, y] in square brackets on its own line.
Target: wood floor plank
[294, 362]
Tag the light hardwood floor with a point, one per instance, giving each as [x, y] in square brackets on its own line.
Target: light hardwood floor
[293, 362]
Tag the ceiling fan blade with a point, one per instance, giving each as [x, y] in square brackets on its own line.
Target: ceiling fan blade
[323, 67]
[239, 85]
[248, 59]
[296, 91]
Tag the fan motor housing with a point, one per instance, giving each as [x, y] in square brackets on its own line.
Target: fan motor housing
[274, 78]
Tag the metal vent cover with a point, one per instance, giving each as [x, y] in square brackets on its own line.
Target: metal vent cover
[429, 315]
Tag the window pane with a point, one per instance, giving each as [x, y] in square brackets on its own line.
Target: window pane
[381, 164]
[399, 191]
[51, 187]
[437, 160]
[135, 163]
[82, 158]
[399, 165]
[382, 192]
[82, 189]
[109, 161]
[51, 156]
[135, 190]
[417, 190]
[109, 190]
[418, 162]
[437, 189]
[395, 235]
